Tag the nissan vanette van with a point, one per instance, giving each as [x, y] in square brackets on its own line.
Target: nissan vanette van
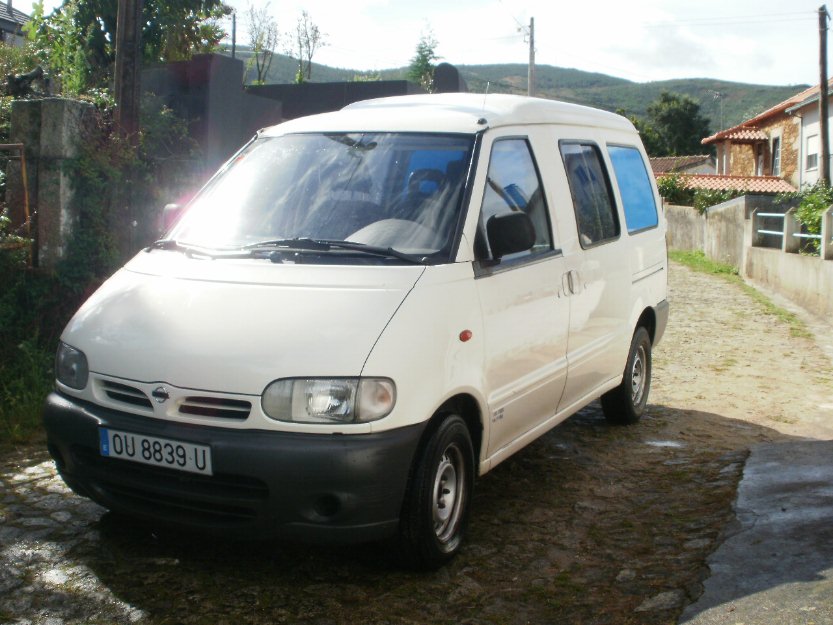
[362, 312]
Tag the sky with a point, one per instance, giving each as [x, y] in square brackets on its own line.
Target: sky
[768, 42]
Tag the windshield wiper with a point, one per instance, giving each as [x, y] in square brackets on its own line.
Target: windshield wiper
[325, 245]
[190, 250]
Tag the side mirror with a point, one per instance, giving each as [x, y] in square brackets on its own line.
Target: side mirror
[510, 233]
[170, 215]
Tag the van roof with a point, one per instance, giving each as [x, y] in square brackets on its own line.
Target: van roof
[451, 112]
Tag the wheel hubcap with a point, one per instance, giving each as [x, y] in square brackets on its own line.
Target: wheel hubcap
[448, 496]
[638, 376]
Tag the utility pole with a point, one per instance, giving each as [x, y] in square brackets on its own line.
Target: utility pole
[824, 171]
[530, 76]
[128, 67]
[233, 33]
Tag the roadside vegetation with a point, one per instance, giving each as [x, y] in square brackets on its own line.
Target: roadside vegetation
[697, 261]
[119, 185]
[674, 189]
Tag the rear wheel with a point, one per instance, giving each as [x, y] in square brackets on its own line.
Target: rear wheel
[437, 502]
[626, 403]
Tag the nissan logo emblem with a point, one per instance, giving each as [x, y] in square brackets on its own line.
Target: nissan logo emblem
[160, 394]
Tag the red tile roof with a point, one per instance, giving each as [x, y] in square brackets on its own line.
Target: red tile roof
[663, 164]
[748, 131]
[751, 184]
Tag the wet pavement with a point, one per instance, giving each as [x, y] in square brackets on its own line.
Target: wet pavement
[776, 567]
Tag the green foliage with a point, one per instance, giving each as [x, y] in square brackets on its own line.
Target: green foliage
[674, 126]
[76, 42]
[264, 37]
[705, 198]
[25, 380]
[61, 43]
[673, 188]
[812, 203]
[366, 77]
[17, 59]
[421, 69]
[118, 189]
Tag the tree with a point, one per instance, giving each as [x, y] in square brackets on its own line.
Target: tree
[81, 34]
[308, 38]
[263, 38]
[678, 125]
[421, 70]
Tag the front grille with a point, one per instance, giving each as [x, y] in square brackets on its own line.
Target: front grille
[216, 500]
[125, 394]
[218, 407]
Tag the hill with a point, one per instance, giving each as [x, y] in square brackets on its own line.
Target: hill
[734, 102]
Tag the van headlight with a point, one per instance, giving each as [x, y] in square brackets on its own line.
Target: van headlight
[329, 400]
[71, 367]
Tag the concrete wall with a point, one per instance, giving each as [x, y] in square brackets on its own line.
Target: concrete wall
[725, 233]
[686, 228]
[805, 280]
[208, 93]
[310, 98]
[719, 232]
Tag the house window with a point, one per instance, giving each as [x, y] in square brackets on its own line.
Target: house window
[776, 156]
[812, 160]
[759, 160]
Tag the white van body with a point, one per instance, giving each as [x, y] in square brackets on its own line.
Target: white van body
[421, 371]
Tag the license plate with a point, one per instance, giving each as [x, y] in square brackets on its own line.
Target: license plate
[160, 452]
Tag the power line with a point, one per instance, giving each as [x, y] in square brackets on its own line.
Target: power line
[736, 20]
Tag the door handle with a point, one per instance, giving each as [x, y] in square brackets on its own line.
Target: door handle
[573, 283]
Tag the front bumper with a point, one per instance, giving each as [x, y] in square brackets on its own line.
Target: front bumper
[317, 487]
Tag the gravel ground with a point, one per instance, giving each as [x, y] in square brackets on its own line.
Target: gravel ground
[591, 524]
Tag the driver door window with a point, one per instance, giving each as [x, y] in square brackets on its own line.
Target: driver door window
[513, 184]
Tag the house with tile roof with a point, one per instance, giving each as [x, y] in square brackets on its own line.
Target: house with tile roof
[11, 24]
[782, 142]
[695, 164]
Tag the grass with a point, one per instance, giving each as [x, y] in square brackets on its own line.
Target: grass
[25, 380]
[697, 261]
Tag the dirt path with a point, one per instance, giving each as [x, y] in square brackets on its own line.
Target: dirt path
[591, 524]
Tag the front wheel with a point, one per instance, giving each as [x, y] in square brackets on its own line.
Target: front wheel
[436, 505]
[626, 403]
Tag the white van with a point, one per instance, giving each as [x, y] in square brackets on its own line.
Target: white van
[363, 311]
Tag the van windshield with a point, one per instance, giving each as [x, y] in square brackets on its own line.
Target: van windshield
[401, 191]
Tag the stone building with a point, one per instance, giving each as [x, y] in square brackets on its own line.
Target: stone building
[781, 142]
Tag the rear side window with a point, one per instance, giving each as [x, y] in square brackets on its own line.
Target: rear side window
[513, 184]
[634, 187]
[596, 216]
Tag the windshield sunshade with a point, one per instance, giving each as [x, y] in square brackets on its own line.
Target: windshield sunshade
[401, 192]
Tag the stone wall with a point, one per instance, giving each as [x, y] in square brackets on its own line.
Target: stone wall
[51, 131]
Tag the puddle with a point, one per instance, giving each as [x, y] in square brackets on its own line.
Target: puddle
[672, 444]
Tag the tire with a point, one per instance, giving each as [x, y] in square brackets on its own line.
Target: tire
[436, 506]
[625, 404]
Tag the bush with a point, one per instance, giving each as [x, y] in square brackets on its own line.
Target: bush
[704, 198]
[812, 203]
[673, 188]
[117, 194]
